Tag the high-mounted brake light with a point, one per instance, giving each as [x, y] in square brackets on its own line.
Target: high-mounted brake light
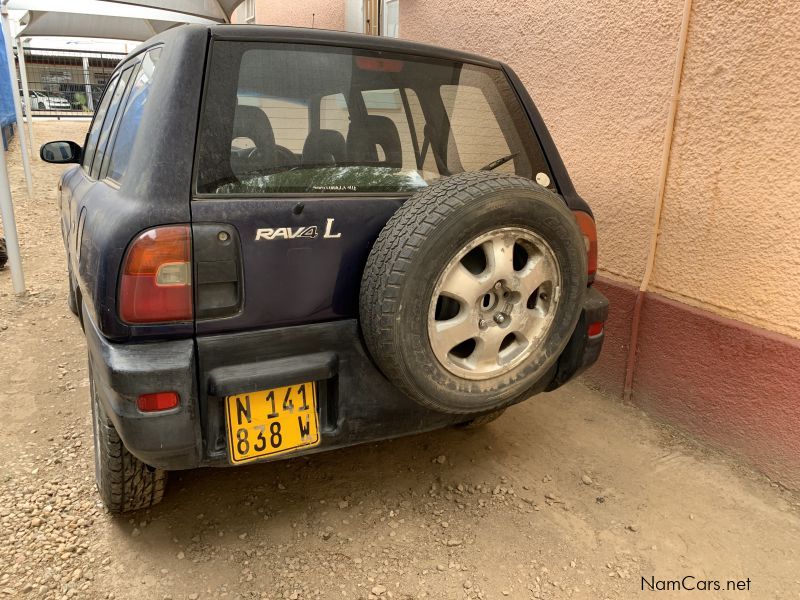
[589, 233]
[156, 284]
[386, 65]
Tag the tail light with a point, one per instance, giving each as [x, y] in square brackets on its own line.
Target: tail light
[158, 401]
[156, 285]
[594, 329]
[589, 233]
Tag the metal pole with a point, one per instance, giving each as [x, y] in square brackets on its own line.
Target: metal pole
[10, 229]
[26, 99]
[87, 80]
[12, 73]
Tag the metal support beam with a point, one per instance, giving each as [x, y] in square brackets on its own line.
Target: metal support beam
[26, 97]
[87, 80]
[12, 72]
[10, 229]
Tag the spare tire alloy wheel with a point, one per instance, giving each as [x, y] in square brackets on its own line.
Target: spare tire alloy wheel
[472, 291]
[494, 303]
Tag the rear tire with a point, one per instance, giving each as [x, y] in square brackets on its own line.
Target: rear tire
[125, 483]
[3, 254]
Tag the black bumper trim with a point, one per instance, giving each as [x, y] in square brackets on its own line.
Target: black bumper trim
[582, 351]
[252, 377]
[121, 372]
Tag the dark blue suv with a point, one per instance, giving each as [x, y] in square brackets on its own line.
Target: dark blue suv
[283, 241]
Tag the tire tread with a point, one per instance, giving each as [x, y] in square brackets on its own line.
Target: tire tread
[125, 482]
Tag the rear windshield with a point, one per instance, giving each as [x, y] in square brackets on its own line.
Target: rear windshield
[290, 118]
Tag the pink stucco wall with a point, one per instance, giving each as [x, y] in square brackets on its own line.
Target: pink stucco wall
[601, 72]
[322, 14]
[730, 238]
[600, 77]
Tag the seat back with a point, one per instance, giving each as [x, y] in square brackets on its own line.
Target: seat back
[364, 139]
[324, 147]
[252, 123]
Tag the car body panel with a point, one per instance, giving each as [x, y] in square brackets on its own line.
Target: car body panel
[302, 280]
[157, 192]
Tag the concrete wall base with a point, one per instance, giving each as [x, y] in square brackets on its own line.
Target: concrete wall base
[728, 383]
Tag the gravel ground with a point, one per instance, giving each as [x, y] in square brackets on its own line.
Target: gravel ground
[571, 495]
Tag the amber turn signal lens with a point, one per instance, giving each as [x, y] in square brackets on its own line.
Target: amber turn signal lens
[589, 233]
[157, 247]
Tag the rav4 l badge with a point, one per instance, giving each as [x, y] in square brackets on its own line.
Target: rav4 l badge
[291, 233]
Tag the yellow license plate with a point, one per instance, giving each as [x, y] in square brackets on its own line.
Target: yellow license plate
[272, 422]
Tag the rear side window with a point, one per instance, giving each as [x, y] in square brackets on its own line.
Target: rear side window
[94, 131]
[108, 121]
[132, 115]
[292, 118]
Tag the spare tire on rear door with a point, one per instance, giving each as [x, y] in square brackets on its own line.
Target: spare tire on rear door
[472, 290]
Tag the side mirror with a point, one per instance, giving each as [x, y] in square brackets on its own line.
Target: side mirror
[61, 153]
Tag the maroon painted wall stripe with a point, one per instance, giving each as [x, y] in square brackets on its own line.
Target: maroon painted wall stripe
[729, 383]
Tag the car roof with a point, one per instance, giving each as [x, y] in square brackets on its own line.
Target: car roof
[326, 37]
[303, 35]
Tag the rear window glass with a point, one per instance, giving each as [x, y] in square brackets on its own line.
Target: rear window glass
[289, 118]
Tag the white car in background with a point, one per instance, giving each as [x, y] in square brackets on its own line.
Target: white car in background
[40, 100]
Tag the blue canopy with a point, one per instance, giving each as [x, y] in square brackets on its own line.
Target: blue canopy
[8, 94]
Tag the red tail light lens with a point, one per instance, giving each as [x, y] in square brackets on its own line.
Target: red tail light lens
[594, 329]
[156, 285]
[589, 232]
[157, 401]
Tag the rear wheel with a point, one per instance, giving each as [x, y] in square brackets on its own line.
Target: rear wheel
[125, 483]
[3, 253]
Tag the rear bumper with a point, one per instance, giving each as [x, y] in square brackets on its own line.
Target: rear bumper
[356, 403]
[122, 372]
[583, 350]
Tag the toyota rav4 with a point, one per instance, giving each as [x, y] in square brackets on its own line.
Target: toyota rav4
[284, 241]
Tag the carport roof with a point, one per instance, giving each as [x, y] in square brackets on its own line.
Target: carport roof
[216, 10]
[63, 24]
[219, 11]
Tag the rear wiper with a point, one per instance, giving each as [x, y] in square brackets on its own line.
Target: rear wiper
[500, 161]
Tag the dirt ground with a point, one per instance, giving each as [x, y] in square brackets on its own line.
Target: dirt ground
[571, 495]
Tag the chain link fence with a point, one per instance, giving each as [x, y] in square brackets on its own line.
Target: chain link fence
[66, 83]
